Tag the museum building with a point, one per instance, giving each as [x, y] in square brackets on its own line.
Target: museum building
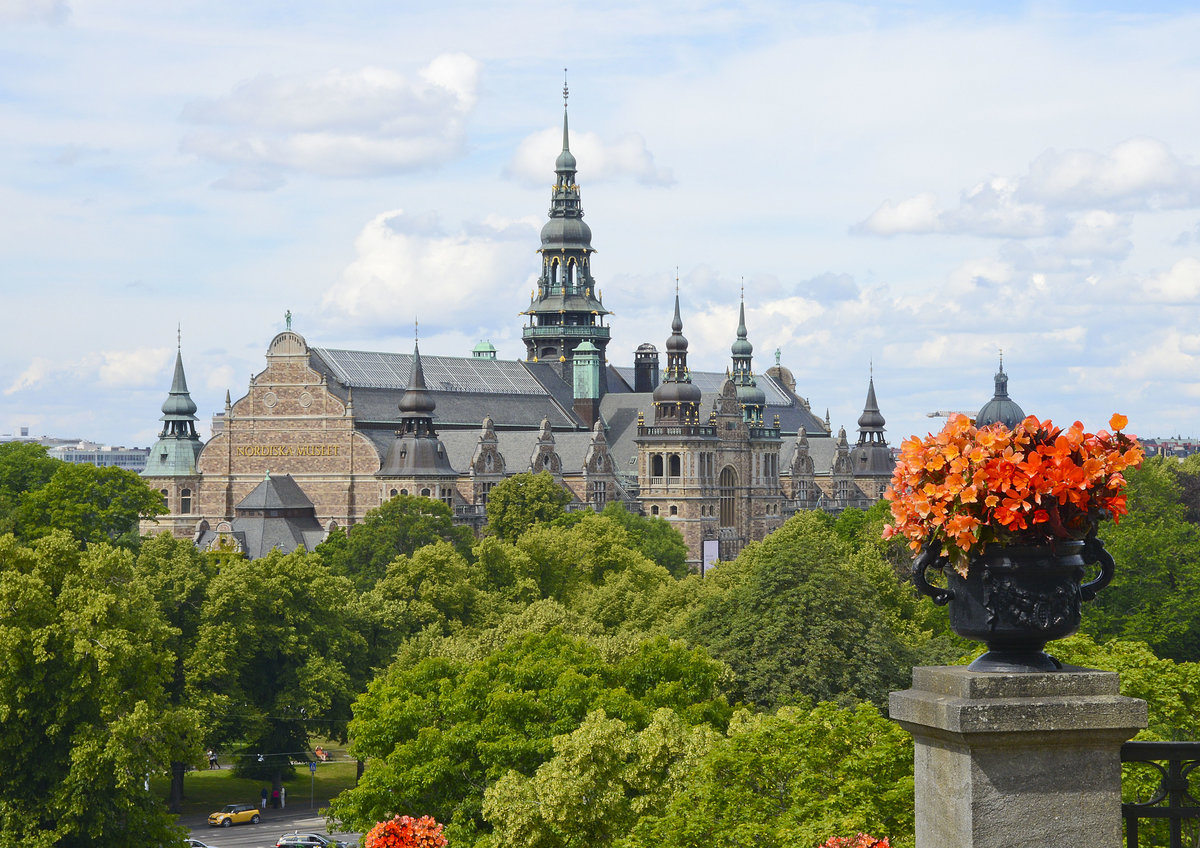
[323, 435]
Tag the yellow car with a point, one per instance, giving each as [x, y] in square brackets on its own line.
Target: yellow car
[232, 814]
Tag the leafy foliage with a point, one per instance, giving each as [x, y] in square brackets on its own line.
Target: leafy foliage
[789, 779]
[523, 501]
[399, 527]
[85, 668]
[654, 537]
[1157, 551]
[280, 655]
[803, 614]
[437, 731]
[602, 778]
[92, 504]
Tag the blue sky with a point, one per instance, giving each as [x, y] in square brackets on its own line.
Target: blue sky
[905, 186]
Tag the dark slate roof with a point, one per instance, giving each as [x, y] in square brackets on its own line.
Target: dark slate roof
[279, 492]
[517, 447]
[259, 535]
[465, 389]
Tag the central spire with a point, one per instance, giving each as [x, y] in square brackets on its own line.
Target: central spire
[566, 309]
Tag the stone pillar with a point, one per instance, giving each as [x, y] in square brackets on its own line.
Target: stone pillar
[1017, 760]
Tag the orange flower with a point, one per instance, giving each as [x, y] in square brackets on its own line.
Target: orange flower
[1118, 421]
[968, 486]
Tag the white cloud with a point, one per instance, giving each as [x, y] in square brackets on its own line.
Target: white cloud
[1178, 284]
[34, 11]
[337, 124]
[110, 369]
[1138, 173]
[919, 214]
[410, 267]
[599, 161]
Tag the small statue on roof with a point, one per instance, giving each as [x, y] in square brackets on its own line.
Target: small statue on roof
[287, 317]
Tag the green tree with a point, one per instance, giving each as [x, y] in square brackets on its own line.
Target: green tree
[1157, 551]
[790, 779]
[602, 778]
[522, 501]
[399, 527]
[280, 655]
[804, 614]
[24, 467]
[176, 575]
[85, 670]
[654, 537]
[437, 731]
[434, 590]
[92, 504]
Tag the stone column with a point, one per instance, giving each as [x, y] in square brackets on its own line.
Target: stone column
[1017, 760]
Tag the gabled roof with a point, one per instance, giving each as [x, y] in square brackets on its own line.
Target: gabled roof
[279, 492]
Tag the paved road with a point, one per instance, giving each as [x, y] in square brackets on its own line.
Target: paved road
[264, 834]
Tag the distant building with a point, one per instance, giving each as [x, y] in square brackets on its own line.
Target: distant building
[724, 457]
[81, 450]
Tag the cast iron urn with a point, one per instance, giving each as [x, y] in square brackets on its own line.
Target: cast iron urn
[1017, 598]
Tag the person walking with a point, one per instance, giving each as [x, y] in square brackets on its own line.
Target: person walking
[262, 803]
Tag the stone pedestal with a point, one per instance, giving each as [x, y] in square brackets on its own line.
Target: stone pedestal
[1016, 760]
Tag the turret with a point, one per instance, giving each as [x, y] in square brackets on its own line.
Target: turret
[566, 309]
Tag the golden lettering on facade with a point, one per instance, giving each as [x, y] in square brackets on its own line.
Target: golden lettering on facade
[287, 450]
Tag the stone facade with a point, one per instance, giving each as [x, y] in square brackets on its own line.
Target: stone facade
[726, 458]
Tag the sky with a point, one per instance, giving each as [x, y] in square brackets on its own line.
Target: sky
[903, 189]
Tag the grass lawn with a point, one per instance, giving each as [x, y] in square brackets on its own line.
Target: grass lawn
[207, 790]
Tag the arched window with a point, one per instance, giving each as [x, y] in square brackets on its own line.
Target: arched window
[404, 491]
[165, 495]
[654, 510]
[674, 465]
[392, 494]
[674, 510]
[656, 465]
[424, 493]
[185, 501]
[727, 491]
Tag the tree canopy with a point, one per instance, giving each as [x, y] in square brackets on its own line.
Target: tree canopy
[86, 665]
[279, 656]
[39, 495]
[437, 731]
[522, 501]
[399, 527]
[803, 614]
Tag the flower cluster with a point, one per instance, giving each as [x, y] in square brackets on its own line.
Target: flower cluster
[968, 486]
[862, 840]
[406, 832]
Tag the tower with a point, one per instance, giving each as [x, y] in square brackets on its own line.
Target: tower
[677, 453]
[416, 463]
[565, 311]
[171, 466]
[871, 459]
[751, 398]
[1001, 408]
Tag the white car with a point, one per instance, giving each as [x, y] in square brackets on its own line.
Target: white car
[308, 840]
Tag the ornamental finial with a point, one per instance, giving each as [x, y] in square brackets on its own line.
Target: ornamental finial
[565, 91]
[179, 336]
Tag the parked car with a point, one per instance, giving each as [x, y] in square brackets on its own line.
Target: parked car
[196, 843]
[308, 840]
[232, 814]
